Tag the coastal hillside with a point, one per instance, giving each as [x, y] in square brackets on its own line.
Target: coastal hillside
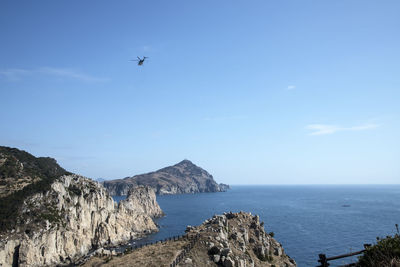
[61, 220]
[230, 239]
[184, 177]
[19, 169]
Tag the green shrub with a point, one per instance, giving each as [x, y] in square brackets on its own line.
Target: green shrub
[272, 234]
[386, 252]
[73, 189]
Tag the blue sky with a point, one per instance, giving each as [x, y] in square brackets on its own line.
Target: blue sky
[255, 92]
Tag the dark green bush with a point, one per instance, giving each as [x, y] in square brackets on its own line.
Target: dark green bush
[386, 252]
[75, 190]
[272, 234]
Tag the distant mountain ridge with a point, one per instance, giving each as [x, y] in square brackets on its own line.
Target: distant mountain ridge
[181, 178]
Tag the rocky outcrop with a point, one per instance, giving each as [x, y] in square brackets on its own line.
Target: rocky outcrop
[142, 200]
[237, 239]
[224, 187]
[230, 239]
[75, 216]
[184, 177]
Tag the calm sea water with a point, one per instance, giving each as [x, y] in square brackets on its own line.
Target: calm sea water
[306, 220]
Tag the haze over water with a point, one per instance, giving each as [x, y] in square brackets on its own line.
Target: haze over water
[306, 220]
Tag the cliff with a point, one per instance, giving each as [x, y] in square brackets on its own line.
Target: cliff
[184, 177]
[231, 239]
[60, 223]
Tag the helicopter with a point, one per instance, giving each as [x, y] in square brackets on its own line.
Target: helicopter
[140, 61]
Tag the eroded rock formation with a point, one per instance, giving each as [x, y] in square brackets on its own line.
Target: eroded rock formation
[75, 216]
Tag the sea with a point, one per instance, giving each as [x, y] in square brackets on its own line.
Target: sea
[306, 219]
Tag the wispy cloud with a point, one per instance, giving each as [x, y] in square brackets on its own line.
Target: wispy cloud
[291, 87]
[14, 74]
[19, 74]
[321, 129]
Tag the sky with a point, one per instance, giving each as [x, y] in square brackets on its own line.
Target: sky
[255, 92]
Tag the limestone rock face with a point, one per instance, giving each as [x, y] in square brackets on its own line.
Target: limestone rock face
[182, 178]
[142, 199]
[75, 216]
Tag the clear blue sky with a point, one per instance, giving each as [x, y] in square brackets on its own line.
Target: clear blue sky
[255, 92]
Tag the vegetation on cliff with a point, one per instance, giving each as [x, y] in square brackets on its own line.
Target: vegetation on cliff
[385, 253]
[74, 216]
[21, 176]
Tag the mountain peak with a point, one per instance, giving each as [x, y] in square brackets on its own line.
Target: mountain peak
[185, 161]
[183, 177]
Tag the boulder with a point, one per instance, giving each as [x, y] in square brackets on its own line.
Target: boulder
[277, 251]
[216, 258]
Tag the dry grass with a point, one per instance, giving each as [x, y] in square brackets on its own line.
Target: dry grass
[157, 255]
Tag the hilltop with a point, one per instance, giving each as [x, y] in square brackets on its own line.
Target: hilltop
[19, 169]
[184, 177]
[21, 176]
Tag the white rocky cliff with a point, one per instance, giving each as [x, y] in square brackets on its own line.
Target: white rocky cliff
[75, 216]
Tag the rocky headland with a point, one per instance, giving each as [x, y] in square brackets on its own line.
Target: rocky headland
[181, 178]
[55, 217]
[230, 239]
